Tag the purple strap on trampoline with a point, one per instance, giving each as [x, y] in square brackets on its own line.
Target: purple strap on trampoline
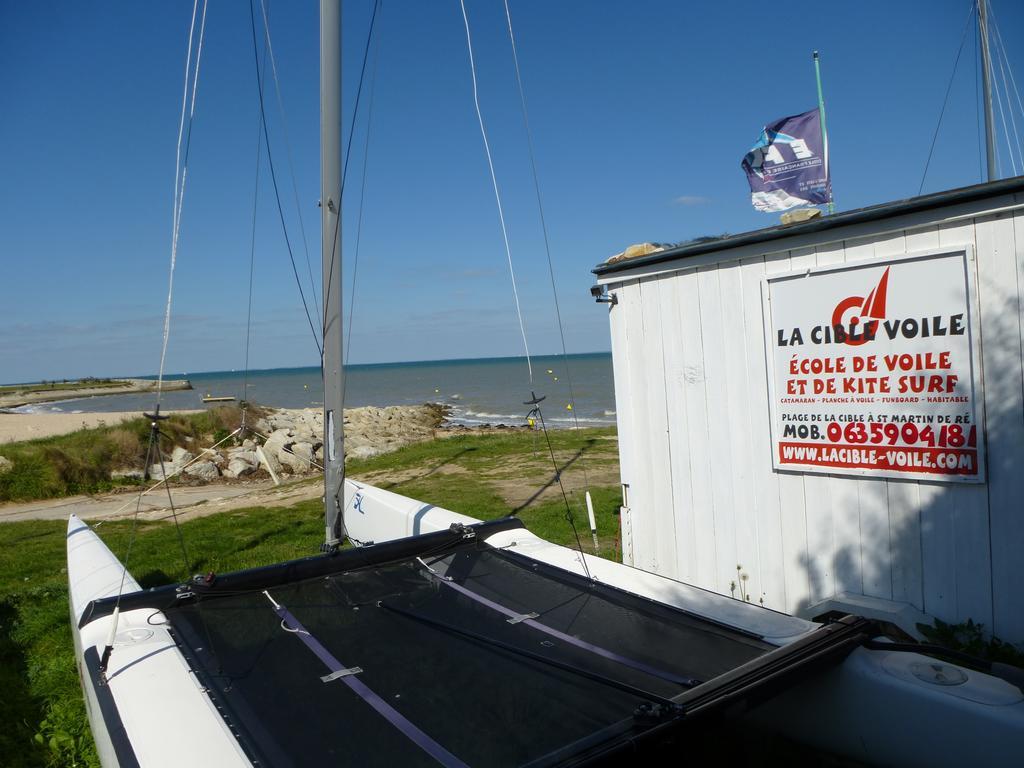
[689, 682]
[407, 727]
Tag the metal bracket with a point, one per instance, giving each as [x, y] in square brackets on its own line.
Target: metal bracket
[648, 713]
[341, 673]
[523, 617]
[464, 530]
[602, 296]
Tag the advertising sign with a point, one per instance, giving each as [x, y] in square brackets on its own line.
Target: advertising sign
[874, 369]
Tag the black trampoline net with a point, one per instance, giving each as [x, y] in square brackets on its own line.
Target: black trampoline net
[474, 656]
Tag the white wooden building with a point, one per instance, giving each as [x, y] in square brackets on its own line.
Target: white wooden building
[698, 385]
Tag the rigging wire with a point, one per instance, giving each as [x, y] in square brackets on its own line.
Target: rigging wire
[945, 100]
[544, 230]
[569, 516]
[180, 176]
[181, 173]
[362, 200]
[108, 648]
[155, 436]
[1002, 119]
[269, 48]
[252, 253]
[497, 194]
[1001, 58]
[273, 177]
[344, 167]
[252, 269]
[1009, 68]
[135, 524]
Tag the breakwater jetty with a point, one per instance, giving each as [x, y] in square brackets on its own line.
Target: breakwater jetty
[17, 395]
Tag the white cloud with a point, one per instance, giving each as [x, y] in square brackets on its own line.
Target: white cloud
[691, 200]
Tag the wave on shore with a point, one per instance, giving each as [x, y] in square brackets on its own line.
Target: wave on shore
[462, 416]
[46, 408]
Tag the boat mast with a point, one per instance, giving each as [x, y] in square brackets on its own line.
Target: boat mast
[986, 87]
[330, 219]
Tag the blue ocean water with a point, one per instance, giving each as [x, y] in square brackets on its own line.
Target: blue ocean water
[479, 391]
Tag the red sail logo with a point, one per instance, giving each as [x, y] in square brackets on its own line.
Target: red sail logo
[870, 310]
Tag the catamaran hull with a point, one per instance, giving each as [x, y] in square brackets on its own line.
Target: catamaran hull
[97, 722]
[875, 706]
[879, 707]
[148, 681]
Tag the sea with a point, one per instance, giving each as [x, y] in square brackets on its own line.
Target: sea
[477, 391]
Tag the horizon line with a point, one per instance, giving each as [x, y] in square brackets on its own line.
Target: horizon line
[389, 363]
[298, 367]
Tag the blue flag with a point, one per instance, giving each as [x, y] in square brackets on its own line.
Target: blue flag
[788, 165]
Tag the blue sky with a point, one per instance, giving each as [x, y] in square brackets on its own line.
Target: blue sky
[641, 112]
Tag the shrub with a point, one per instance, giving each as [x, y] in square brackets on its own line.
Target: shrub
[127, 449]
[971, 638]
[81, 462]
[81, 472]
[31, 477]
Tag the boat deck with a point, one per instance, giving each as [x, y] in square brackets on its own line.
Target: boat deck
[445, 650]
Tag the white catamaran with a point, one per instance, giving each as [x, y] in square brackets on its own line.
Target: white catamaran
[446, 640]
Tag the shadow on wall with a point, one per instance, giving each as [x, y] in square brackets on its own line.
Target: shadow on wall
[952, 550]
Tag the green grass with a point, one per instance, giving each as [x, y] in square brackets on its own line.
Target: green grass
[488, 451]
[81, 462]
[41, 705]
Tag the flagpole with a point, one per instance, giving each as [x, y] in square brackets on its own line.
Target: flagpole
[986, 89]
[824, 133]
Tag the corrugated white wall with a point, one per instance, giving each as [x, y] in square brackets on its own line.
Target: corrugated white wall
[692, 402]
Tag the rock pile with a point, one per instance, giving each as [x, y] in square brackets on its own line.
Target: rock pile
[290, 442]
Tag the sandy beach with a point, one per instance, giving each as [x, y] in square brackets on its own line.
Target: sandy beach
[15, 427]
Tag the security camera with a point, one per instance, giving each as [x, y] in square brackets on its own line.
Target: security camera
[601, 295]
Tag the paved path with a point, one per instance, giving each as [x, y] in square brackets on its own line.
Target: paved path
[189, 501]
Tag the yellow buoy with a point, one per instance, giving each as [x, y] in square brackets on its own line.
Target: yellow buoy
[550, 371]
[556, 378]
[568, 406]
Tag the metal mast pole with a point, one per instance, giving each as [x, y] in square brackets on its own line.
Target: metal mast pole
[824, 134]
[330, 220]
[986, 87]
